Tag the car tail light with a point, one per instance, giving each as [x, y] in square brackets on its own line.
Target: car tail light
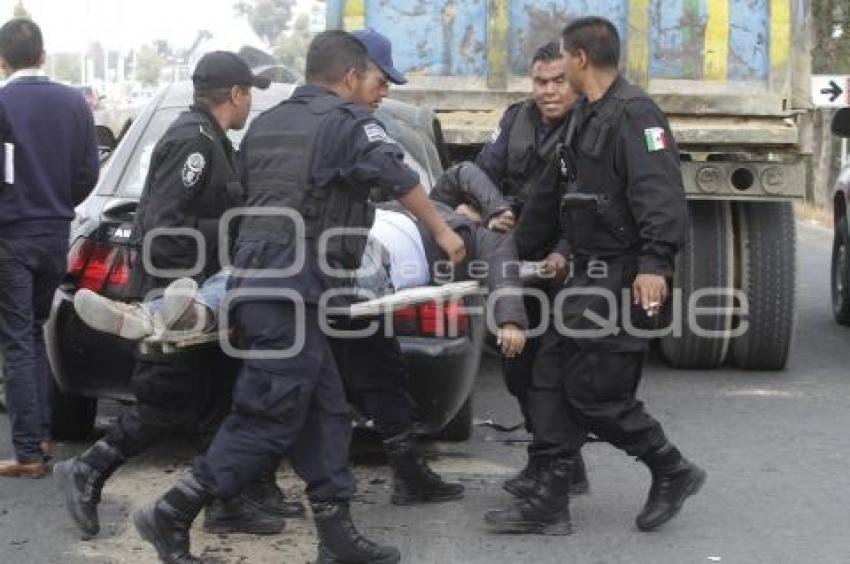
[432, 319]
[120, 274]
[404, 321]
[95, 265]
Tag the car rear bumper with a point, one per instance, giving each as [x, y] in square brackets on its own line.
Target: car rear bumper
[90, 363]
[84, 361]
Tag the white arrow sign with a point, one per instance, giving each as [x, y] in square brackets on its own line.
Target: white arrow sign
[830, 91]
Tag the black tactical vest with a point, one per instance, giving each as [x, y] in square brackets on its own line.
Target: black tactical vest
[595, 212]
[278, 160]
[526, 158]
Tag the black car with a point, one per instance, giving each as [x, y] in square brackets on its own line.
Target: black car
[88, 364]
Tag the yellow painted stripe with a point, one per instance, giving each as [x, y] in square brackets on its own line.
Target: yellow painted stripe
[716, 52]
[354, 15]
[497, 44]
[780, 33]
[638, 42]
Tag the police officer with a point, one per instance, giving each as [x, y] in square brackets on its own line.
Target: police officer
[624, 216]
[192, 181]
[515, 160]
[373, 367]
[317, 152]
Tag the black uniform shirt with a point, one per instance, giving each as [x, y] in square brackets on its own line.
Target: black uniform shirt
[184, 186]
[646, 164]
[356, 150]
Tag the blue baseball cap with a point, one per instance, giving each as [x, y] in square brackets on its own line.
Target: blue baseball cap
[380, 52]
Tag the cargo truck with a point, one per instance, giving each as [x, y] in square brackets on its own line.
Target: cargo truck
[733, 77]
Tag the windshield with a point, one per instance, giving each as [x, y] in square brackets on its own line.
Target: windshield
[133, 180]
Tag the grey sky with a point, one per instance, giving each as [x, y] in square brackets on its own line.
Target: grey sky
[69, 25]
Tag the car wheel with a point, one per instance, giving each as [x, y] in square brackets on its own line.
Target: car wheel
[71, 416]
[841, 274]
[459, 429]
[706, 261]
[767, 255]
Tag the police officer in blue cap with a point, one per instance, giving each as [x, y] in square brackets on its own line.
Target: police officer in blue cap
[318, 152]
[373, 366]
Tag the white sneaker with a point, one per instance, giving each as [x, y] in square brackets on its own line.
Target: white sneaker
[176, 300]
[129, 321]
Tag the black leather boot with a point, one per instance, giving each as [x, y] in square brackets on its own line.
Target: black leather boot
[413, 480]
[166, 523]
[546, 511]
[341, 543]
[674, 479]
[81, 480]
[238, 515]
[522, 484]
[264, 494]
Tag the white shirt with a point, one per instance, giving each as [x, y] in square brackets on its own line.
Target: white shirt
[399, 235]
[26, 73]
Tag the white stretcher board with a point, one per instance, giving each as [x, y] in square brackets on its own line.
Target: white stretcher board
[371, 308]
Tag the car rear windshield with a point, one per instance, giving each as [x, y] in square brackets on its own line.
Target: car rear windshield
[133, 179]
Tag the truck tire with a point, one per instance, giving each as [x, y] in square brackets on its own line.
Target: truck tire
[706, 261]
[71, 416]
[459, 429]
[840, 274]
[767, 262]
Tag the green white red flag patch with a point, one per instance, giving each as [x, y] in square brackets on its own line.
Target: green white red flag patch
[656, 139]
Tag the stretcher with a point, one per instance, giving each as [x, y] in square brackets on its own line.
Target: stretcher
[165, 342]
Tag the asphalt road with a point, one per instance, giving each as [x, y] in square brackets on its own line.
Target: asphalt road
[774, 445]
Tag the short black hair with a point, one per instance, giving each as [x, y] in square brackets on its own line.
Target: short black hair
[210, 99]
[21, 44]
[597, 37]
[546, 53]
[332, 54]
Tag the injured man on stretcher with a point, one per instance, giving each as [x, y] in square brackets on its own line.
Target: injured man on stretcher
[400, 253]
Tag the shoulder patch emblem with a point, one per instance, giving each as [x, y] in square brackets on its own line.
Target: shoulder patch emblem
[656, 139]
[374, 132]
[192, 169]
[496, 134]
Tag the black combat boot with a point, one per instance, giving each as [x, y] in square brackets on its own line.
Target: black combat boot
[413, 481]
[81, 479]
[674, 479]
[522, 485]
[238, 515]
[341, 543]
[166, 523]
[264, 494]
[547, 510]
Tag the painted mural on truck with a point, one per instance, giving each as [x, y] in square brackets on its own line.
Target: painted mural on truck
[715, 40]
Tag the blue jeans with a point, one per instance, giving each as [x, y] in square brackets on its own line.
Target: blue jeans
[210, 293]
[30, 271]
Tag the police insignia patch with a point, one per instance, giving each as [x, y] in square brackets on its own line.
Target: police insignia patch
[374, 132]
[192, 169]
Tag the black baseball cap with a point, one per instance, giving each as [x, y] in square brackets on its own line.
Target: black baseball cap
[223, 69]
[380, 52]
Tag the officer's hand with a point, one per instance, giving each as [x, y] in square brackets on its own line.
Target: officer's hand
[512, 339]
[470, 212]
[649, 291]
[554, 267]
[451, 244]
[504, 221]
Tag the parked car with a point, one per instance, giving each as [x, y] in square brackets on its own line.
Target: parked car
[840, 270]
[88, 365]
